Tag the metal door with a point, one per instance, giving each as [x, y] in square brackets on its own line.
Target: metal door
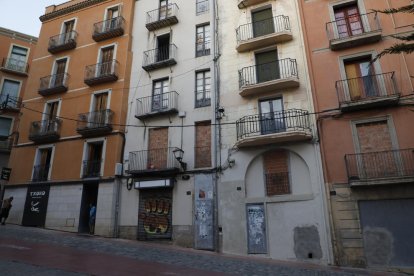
[204, 212]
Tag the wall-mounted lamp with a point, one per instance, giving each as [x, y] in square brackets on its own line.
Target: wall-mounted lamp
[129, 183]
[178, 154]
[220, 113]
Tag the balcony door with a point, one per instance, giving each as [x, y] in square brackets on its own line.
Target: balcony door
[267, 66]
[165, 10]
[157, 149]
[271, 116]
[159, 95]
[17, 61]
[10, 89]
[112, 15]
[163, 47]
[50, 123]
[361, 79]
[98, 116]
[107, 56]
[41, 169]
[94, 159]
[348, 21]
[262, 22]
[59, 76]
[67, 31]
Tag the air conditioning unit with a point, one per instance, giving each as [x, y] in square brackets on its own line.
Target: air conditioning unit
[118, 169]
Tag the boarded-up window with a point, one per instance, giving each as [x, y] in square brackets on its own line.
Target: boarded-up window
[203, 145]
[276, 171]
[158, 148]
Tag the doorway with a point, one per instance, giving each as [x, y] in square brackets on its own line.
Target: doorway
[267, 66]
[163, 43]
[262, 22]
[89, 196]
[272, 117]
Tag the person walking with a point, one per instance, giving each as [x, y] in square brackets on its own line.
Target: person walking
[92, 217]
[5, 209]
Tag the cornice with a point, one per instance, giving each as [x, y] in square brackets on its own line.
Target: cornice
[69, 9]
[17, 35]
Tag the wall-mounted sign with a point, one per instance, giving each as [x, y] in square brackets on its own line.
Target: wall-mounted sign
[164, 183]
[35, 209]
[5, 173]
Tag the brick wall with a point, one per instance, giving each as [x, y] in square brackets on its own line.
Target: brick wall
[158, 148]
[276, 171]
[203, 145]
[374, 136]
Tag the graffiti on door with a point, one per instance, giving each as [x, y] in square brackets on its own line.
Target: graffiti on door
[155, 215]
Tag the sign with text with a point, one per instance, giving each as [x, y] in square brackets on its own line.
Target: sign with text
[35, 207]
[5, 173]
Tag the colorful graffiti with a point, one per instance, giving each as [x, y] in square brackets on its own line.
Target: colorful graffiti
[155, 215]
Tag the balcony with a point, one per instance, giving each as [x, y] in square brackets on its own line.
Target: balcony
[108, 29]
[157, 105]
[62, 42]
[95, 123]
[40, 173]
[367, 92]
[45, 131]
[247, 3]
[101, 73]
[291, 125]
[162, 17]
[263, 33]
[14, 66]
[352, 31]
[6, 144]
[91, 168]
[10, 103]
[156, 162]
[159, 58]
[262, 78]
[53, 84]
[380, 168]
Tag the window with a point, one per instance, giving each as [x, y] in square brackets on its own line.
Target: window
[10, 92]
[165, 9]
[202, 6]
[203, 41]
[272, 119]
[5, 126]
[43, 162]
[112, 20]
[50, 123]
[262, 22]
[17, 60]
[58, 78]
[361, 78]
[160, 94]
[67, 31]
[107, 61]
[267, 66]
[348, 20]
[203, 145]
[99, 117]
[276, 170]
[93, 160]
[163, 50]
[203, 93]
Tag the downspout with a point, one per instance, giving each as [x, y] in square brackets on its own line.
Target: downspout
[118, 183]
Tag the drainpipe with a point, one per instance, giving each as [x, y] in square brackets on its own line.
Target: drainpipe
[118, 185]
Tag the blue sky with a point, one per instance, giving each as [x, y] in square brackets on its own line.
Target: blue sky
[23, 15]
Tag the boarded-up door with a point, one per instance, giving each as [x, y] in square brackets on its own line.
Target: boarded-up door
[158, 148]
[256, 229]
[204, 212]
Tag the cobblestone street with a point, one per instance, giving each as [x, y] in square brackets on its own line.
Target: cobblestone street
[34, 251]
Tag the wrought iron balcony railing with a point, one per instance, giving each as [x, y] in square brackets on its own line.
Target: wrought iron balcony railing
[162, 17]
[62, 42]
[95, 123]
[275, 122]
[6, 144]
[101, 72]
[155, 160]
[9, 102]
[53, 84]
[157, 104]
[16, 66]
[160, 57]
[370, 90]
[256, 29]
[45, 131]
[203, 98]
[276, 70]
[365, 27]
[108, 29]
[91, 168]
[40, 173]
[371, 166]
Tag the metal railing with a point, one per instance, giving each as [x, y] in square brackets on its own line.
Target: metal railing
[255, 29]
[277, 183]
[101, 69]
[7, 144]
[279, 69]
[45, 127]
[95, 119]
[62, 39]
[382, 164]
[160, 54]
[157, 103]
[15, 65]
[203, 48]
[53, 81]
[275, 122]
[162, 13]
[109, 25]
[7, 101]
[40, 173]
[202, 157]
[202, 6]
[362, 88]
[353, 25]
[155, 159]
[204, 100]
[91, 168]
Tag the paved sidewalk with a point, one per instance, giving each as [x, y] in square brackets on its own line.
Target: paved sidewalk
[128, 255]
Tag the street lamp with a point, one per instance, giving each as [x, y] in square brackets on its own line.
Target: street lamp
[178, 154]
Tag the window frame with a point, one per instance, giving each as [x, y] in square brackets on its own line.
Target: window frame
[85, 153]
[205, 51]
[205, 101]
[37, 159]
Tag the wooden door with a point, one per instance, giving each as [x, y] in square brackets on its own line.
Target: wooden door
[348, 21]
[361, 79]
[60, 73]
[107, 56]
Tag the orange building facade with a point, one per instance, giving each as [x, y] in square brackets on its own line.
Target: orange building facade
[365, 119]
[16, 51]
[71, 130]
